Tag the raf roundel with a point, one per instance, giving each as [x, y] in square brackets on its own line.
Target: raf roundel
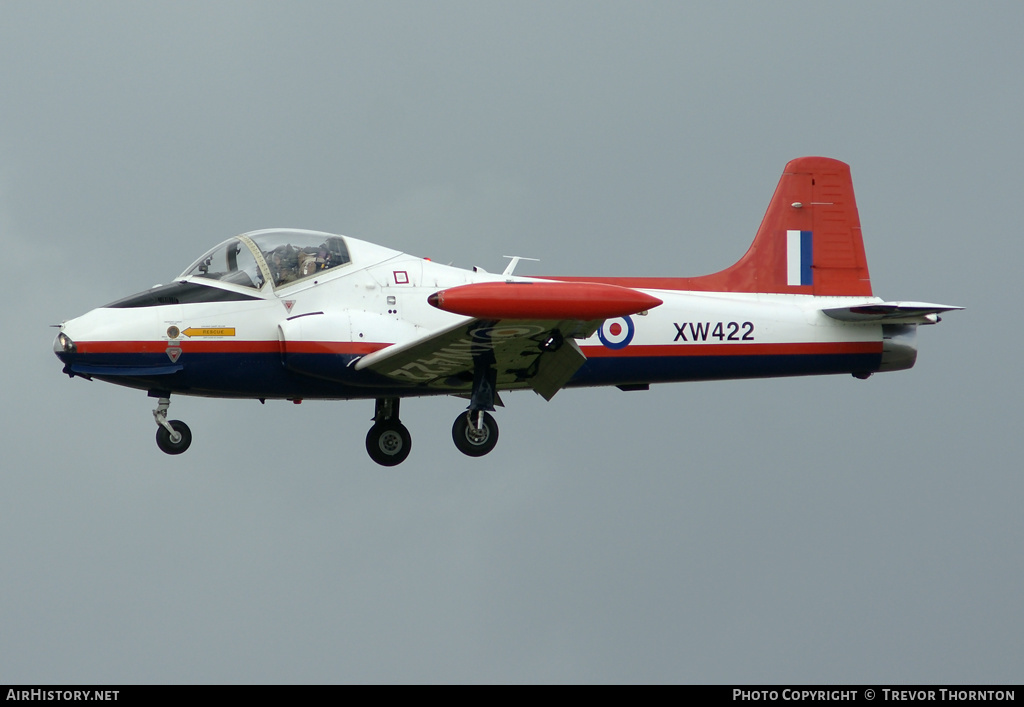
[616, 333]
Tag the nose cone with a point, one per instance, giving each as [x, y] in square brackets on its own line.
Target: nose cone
[65, 348]
[68, 344]
[96, 341]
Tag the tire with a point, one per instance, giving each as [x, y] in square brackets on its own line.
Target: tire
[163, 438]
[470, 442]
[388, 443]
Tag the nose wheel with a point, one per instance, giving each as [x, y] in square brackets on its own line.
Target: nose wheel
[475, 433]
[172, 436]
[175, 441]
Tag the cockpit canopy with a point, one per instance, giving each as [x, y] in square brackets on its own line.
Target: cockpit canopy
[280, 257]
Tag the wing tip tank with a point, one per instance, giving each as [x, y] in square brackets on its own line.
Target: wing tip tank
[542, 300]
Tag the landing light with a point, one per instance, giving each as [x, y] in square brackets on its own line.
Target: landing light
[64, 344]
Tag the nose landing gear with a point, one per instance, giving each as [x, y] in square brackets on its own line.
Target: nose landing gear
[174, 436]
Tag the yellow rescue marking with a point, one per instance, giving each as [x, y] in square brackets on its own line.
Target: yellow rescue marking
[209, 331]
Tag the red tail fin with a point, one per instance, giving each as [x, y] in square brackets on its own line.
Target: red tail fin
[809, 241]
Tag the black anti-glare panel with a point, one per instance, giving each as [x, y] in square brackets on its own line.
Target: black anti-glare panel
[179, 293]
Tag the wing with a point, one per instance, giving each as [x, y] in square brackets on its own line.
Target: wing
[525, 330]
[890, 312]
[537, 354]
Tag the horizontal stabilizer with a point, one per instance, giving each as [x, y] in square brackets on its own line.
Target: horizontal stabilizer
[890, 312]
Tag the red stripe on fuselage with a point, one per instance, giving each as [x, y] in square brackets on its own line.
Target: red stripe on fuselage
[332, 347]
[360, 348]
[227, 347]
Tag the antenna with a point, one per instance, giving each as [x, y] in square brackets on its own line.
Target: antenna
[515, 261]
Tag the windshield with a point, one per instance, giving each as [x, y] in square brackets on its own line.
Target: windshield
[232, 261]
[280, 257]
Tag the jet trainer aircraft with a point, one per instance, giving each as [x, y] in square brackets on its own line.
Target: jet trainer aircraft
[292, 314]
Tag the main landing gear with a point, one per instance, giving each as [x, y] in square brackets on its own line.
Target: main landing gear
[174, 436]
[475, 433]
[388, 442]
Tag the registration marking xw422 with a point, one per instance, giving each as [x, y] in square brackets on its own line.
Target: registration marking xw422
[723, 331]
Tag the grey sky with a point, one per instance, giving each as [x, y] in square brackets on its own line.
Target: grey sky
[808, 530]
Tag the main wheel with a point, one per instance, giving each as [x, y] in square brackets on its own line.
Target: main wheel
[472, 441]
[388, 443]
[173, 446]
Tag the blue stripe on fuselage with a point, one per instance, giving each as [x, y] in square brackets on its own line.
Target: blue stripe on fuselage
[263, 375]
[669, 369]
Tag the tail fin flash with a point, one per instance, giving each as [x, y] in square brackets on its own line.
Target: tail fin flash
[809, 241]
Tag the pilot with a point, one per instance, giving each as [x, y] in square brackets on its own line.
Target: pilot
[308, 264]
[323, 257]
[284, 264]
